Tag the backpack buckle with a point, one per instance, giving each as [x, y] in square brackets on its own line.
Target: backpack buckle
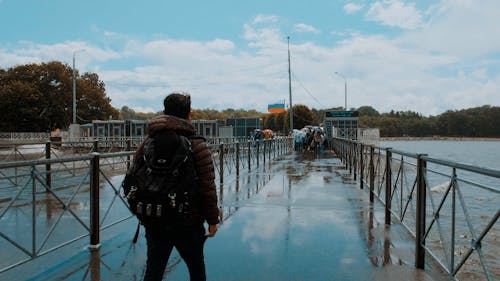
[172, 196]
[131, 193]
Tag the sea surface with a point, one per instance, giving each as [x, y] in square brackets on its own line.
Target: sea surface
[478, 153]
[475, 206]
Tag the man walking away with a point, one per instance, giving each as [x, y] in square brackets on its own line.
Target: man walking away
[187, 232]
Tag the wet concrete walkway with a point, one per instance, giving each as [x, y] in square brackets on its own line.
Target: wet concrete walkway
[296, 218]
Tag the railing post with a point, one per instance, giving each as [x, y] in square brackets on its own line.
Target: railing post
[355, 159]
[264, 151]
[372, 174]
[129, 147]
[95, 147]
[221, 163]
[269, 149]
[361, 166]
[274, 148]
[33, 213]
[346, 153]
[94, 202]
[420, 214]
[249, 155]
[257, 154]
[237, 159]
[388, 185]
[351, 148]
[48, 175]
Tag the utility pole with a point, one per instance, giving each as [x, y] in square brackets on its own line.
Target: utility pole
[345, 88]
[345, 94]
[290, 86]
[74, 90]
[74, 85]
[74, 128]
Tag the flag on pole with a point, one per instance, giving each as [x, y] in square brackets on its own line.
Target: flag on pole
[276, 107]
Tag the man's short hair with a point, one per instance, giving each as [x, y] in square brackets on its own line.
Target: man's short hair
[177, 104]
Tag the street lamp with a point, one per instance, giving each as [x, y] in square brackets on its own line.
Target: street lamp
[345, 88]
[74, 85]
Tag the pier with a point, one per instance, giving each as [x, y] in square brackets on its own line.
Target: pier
[350, 213]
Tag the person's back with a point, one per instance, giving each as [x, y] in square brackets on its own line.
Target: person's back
[188, 235]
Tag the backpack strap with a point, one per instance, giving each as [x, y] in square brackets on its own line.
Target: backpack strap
[136, 236]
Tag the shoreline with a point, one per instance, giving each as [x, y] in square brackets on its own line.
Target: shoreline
[438, 138]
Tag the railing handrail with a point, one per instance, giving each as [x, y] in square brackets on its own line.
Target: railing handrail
[463, 166]
[452, 164]
[25, 163]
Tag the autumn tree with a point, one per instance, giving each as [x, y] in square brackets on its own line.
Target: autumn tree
[39, 97]
[269, 121]
[302, 116]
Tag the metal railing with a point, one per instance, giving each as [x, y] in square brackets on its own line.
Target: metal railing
[24, 136]
[450, 208]
[46, 204]
[246, 155]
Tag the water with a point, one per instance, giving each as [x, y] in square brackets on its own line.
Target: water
[478, 153]
[479, 205]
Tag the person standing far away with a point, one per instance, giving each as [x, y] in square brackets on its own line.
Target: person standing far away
[187, 236]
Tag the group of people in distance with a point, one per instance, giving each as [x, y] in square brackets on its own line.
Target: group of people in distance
[309, 139]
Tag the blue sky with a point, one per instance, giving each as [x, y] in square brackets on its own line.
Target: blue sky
[425, 56]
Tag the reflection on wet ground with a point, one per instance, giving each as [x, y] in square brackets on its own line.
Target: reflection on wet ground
[297, 218]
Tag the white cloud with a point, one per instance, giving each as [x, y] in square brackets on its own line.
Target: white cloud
[395, 13]
[302, 27]
[465, 28]
[351, 8]
[110, 34]
[28, 52]
[445, 64]
[265, 19]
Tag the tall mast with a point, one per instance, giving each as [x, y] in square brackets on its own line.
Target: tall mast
[290, 86]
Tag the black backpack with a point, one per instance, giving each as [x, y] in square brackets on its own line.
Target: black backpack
[161, 184]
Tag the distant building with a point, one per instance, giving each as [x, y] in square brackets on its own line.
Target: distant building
[244, 126]
[342, 124]
[115, 129]
[231, 127]
[208, 128]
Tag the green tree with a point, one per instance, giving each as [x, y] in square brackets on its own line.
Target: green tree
[42, 96]
[367, 111]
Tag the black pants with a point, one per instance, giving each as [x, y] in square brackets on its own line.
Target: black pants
[189, 243]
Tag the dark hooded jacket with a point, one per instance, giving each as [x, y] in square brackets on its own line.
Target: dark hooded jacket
[207, 210]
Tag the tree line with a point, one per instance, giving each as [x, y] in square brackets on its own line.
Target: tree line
[39, 98]
[471, 122]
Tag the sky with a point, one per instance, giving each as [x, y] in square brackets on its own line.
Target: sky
[424, 56]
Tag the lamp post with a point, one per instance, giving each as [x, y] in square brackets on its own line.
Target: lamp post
[345, 88]
[74, 85]
[290, 86]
